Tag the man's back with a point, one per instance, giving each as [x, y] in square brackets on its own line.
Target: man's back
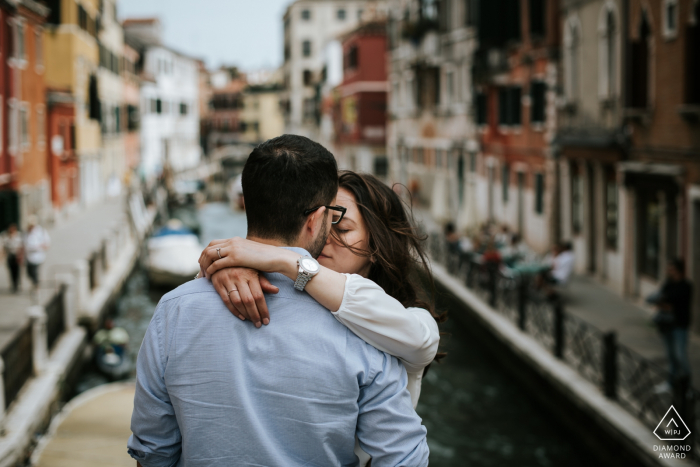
[292, 393]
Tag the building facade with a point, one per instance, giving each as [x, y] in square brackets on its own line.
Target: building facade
[311, 45]
[261, 118]
[169, 111]
[71, 56]
[113, 168]
[360, 101]
[431, 135]
[24, 175]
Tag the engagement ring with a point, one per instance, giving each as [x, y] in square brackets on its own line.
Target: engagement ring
[218, 252]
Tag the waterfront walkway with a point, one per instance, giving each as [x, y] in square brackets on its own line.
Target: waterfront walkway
[594, 303]
[71, 239]
[91, 430]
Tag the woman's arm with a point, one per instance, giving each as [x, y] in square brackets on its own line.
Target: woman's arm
[411, 334]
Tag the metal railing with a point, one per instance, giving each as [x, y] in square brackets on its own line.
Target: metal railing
[55, 317]
[618, 371]
[19, 364]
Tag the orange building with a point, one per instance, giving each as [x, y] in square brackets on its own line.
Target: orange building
[515, 79]
[24, 178]
[62, 161]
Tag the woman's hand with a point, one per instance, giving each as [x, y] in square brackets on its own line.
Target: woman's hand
[242, 289]
[241, 253]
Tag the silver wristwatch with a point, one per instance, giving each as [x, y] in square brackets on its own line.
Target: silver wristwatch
[308, 268]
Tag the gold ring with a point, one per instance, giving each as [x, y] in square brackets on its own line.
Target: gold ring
[232, 290]
[218, 252]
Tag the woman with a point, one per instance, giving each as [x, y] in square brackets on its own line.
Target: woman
[366, 278]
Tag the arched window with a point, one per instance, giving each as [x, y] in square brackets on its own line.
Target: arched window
[607, 53]
[572, 69]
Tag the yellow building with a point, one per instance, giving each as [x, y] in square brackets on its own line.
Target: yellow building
[72, 60]
[261, 117]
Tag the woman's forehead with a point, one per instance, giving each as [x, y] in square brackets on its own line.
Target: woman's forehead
[346, 199]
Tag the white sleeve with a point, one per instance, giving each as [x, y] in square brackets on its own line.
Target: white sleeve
[410, 334]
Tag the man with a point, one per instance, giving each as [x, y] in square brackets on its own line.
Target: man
[213, 390]
[14, 246]
[675, 298]
[36, 244]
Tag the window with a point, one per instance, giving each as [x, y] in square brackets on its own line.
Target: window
[24, 126]
[509, 107]
[539, 193]
[537, 106]
[429, 10]
[306, 48]
[94, 105]
[352, 59]
[576, 200]
[639, 89]
[537, 18]
[450, 78]
[381, 166]
[132, 113]
[611, 208]
[340, 14]
[571, 61]
[40, 125]
[159, 106]
[608, 54]
[117, 118]
[670, 16]
[444, 16]
[19, 51]
[308, 78]
[306, 15]
[183, 108]
[309, 109]
[481, 109]
[82, 18]
[38, 49]
[505, 181]
[14, 126]
[692, 57]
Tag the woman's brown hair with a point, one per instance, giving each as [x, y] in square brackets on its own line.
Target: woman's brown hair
[395, 247]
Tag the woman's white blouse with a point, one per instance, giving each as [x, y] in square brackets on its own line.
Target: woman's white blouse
[410, 334]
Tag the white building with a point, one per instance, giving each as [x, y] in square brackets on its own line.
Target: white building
[311, 27]
[111, 92]
[169, 102]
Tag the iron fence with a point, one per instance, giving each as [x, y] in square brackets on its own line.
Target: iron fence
[18, 358]
[55, 317]
[623, 375]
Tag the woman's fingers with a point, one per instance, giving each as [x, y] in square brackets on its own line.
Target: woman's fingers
[249, 303]
[259, 297]
[222, 287]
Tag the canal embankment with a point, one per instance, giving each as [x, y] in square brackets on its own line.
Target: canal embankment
[611, 433]
[43, 335]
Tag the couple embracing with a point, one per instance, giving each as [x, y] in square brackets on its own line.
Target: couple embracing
[321, 364]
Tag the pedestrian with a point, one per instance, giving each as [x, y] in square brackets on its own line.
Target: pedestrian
[36, 244]
[14, 248]
[674, 300]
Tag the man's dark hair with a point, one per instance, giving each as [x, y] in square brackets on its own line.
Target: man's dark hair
[282, 178]
[679, 265]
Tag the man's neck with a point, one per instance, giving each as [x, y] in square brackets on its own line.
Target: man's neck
[271, 241]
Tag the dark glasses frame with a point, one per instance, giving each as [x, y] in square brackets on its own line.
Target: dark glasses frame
[342, 210]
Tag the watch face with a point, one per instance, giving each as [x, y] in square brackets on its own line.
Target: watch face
[309, 264]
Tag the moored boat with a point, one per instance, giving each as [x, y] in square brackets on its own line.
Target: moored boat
[173, 255]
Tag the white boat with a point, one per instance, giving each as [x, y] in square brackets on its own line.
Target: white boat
[173, 255]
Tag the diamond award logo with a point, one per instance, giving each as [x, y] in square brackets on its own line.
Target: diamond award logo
[672, 427]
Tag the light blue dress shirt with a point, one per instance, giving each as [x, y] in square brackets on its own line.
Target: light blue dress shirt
[212, 390]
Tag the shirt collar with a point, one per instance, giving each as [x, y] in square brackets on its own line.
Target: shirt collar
[285, 284]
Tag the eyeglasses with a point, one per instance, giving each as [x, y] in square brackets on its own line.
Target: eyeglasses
[338, 212]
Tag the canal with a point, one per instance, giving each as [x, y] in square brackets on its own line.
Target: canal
[475, 412]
